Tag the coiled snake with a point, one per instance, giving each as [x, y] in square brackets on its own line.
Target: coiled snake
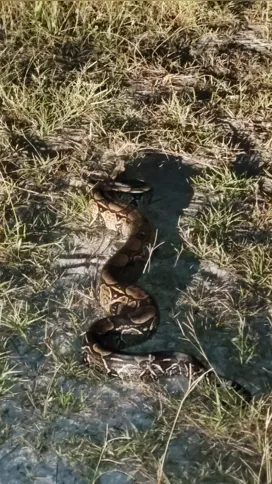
[133, 315]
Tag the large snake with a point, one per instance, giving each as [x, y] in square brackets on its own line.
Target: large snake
[133, 315]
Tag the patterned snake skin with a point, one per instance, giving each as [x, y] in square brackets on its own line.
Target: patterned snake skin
[133, 315]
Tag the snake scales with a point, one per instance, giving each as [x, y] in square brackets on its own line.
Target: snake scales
[133, 315]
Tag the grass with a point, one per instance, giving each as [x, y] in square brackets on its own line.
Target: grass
[83, 85]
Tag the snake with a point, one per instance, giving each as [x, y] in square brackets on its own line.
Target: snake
[132, 314]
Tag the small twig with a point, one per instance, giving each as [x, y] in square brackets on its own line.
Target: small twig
[151, 249]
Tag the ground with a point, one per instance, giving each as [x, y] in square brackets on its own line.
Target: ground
[177, 92]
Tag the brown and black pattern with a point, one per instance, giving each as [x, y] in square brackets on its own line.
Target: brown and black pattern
[133, 315]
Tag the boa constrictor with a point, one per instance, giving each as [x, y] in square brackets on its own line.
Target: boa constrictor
[133, 315]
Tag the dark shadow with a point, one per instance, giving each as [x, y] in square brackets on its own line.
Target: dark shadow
[33, 146]
[74, 54]
[204, 95]
[130, 125]
[170, 179]
[171, 54]
[9, 169]
[169, 273]
[247, 164]
[237, 7]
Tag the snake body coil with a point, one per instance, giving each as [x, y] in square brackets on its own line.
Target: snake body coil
[133, 313]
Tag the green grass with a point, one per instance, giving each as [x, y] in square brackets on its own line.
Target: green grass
[94, 85]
